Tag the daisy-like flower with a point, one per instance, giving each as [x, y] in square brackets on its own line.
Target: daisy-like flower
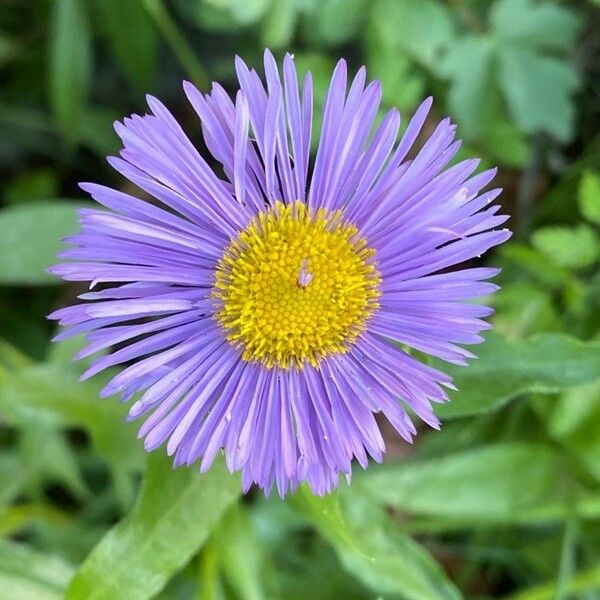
[267, 311]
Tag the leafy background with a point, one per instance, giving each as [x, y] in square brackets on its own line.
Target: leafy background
[503, 502]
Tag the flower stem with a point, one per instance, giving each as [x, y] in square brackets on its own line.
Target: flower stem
[177, 42]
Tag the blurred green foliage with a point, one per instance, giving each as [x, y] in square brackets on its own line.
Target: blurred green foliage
[503, 502]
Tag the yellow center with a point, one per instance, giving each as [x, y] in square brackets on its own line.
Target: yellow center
[295, 286]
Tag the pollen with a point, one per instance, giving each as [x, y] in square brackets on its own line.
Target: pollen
[295, 286]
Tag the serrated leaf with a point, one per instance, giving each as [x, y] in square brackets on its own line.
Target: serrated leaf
[70, 67]
[507, 369]
[589, 196]
[30, 237]
[543, 25]
[135, 53]
[29, 575]
[538, 90]
[421, 28]
[575, 247]
[175, 514]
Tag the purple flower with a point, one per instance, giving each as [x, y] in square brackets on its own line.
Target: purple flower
[265, 311]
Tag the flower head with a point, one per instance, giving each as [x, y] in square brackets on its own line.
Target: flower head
[268, 312]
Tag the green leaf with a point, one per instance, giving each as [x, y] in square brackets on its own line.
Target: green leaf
[523, 309]
[211, 586]
[15, 478]
[468, 64]
[373, 550]
[538, 90]
[589, 196]
[421, 28]
[51, 395]
[97, 131]
[402, 85]
[248, 12]
[30, 237]
[542, 25]
[242, 13]
[50, 459]
[584, 585]
[505, 142]
[11, 358]
[574, 419]
[325, 513]
[336, 21]
[531, 264]
[70, 65]
[29, 575]
[14, 519]
[278, 25]
[172, 519]
[136, 53]
[512, 58]
[574, 247]
[485, 484]
[397, 565]
[505, 370]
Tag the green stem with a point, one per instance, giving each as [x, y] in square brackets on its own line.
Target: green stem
[177, 42]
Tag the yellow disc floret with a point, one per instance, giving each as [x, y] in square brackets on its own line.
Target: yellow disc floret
[295, 286]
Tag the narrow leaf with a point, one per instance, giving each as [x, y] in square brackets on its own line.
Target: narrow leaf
[174, 516]
[52, 395]
[30, 237]
[136, 54]
[482, 484]
[506, 369]
[27, 574]
[70, 65]
[373, 550]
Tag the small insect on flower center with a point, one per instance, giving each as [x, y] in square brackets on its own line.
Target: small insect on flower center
[295, 286]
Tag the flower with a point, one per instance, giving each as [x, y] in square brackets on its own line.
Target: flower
[266, 311]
